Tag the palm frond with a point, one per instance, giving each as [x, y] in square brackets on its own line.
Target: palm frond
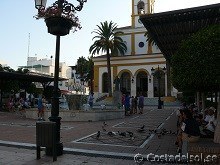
[149, 38]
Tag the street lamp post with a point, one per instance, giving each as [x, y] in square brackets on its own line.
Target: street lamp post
[60, 19]
[157, 74]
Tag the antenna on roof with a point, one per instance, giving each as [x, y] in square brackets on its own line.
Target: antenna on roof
[28, 51]
[28, 44]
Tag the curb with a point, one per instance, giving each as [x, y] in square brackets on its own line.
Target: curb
[76, 151]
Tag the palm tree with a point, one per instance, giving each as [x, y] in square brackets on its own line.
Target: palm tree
[108, 41]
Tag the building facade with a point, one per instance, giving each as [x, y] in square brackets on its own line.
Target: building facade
[135, 67]
[46, 66]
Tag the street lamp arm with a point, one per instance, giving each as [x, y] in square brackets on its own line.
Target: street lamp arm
[68, 7]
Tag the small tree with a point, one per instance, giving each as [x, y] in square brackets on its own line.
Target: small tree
[90, 75]
[82, 66]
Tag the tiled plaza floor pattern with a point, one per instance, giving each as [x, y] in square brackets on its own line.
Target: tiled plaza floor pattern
[81, 137]
[129, 134]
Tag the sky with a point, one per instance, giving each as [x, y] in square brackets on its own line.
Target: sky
[21, 35]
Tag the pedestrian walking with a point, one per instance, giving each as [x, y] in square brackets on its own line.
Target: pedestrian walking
[90, 99]
[135, 104]
[141, 103]
[127, 105]
[40, 107]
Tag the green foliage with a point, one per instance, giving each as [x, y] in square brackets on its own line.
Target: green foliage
[10, 85]
[82, 66]
[107, 40]
[89, 76]
[149, 38]
[6, 68]
[22, 70]
[196, 64]
[188, 97]
[31, 88]
[85, 68]
[1, 68]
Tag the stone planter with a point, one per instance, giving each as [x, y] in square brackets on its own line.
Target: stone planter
[59, 25]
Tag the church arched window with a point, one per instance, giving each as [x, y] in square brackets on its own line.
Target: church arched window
[140, 7]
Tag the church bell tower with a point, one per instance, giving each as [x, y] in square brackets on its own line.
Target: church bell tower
[140, 7]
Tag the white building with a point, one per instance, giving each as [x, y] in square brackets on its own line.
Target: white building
[46, 66]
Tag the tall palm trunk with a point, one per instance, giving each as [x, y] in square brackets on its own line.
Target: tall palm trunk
[109, 74]
[91, 80]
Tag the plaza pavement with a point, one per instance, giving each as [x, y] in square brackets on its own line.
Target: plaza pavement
[81, 146]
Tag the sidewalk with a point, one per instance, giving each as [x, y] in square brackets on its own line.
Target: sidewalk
[21, 156]
[81, 145]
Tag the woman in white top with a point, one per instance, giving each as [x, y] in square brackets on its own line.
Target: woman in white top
[211, 120]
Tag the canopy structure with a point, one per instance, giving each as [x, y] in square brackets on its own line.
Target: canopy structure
[169, 29]
[27, 77]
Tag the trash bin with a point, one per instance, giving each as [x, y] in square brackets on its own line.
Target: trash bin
[46, 137]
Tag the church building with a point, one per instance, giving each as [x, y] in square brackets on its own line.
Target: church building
[136, 66]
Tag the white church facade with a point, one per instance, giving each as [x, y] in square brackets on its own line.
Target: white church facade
[134, 68]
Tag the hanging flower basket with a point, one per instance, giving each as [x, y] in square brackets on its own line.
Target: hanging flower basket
[60, 26]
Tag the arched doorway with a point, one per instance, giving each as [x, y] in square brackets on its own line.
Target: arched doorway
[125, 82]
[105, 82]
[142, 83]
[162, 84]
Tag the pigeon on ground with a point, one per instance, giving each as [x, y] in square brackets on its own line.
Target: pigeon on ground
[130, 133]
[105, 124]
[122, 133]
[98, 134]
[141, 129]
[111, 133]
[173, 133]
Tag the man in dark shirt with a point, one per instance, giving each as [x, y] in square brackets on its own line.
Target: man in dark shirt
[190, 127]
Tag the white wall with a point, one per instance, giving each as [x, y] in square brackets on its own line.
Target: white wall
[140, 38]
[155, 49]
[138, 23]
[127, 39]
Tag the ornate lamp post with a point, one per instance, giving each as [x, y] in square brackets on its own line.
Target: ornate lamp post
[60, 19]
[158, 74]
